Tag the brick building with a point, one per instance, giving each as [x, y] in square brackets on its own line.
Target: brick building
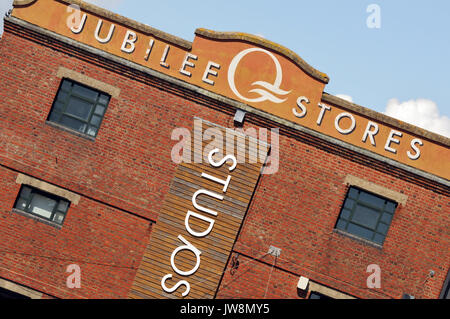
[89, 103]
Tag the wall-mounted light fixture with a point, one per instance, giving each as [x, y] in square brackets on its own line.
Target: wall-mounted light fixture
[239, 117]
[303, 283]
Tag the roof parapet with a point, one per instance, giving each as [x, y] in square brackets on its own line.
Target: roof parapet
[320, 76]
[382, 118]
[144, 28]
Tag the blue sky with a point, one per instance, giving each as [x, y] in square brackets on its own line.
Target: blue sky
[401, 68]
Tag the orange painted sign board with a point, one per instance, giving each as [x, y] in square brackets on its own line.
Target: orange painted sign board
[242, 67]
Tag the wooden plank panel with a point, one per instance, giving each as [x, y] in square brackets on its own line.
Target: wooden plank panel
[216, 245]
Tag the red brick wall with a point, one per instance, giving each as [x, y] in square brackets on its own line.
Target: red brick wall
[105, 242]
[297, 208]
[129, 166]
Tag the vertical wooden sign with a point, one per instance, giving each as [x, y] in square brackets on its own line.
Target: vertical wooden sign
[201, 215]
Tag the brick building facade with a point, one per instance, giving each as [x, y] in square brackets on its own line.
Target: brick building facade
[117, 180]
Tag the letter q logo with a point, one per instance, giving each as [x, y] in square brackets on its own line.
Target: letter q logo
[266, 93]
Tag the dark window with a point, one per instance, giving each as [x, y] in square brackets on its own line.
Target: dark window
[316, 295]
[79, 107]
[366, 215]
[42, 204]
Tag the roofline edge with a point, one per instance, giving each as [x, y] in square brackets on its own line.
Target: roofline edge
[311, 71]
[142, 27]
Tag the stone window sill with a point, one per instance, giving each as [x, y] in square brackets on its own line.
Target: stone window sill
[362, 240]
[63, 128]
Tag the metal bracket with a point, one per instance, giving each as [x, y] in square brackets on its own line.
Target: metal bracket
[274, 251]
[234, 264]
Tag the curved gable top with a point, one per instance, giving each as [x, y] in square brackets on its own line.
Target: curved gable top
[261, 42]
[17, 3]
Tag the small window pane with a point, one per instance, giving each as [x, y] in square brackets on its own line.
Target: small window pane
[58, 107]
[104, 99]
[371, 199]
[73, 123]
[63, 205]
[353, 193]
[386, 218]
[365, 216]
[85, 92]
[21, 204]
[379, 239]
[41, 205]
[390, 207]
[360, 231]
[349, 203]
[66, 85]
[62, 96]
[345, 214]
[54, 117]
[79, 108]
[25, 192]
[100, 110]
[382, 228]
[96, 120]
[92, 131]
[58, 218]
[341, 225]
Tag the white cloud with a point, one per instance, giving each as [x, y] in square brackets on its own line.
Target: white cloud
[345, 97]
[421, 112]
[5, 5]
